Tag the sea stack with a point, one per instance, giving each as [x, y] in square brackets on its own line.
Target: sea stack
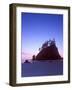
[48, 51]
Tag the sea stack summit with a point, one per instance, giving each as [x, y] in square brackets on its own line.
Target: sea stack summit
[48, 51]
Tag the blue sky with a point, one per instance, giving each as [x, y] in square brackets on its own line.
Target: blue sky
[37, 28]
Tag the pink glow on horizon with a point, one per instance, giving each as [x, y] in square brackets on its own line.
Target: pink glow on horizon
[26, 56]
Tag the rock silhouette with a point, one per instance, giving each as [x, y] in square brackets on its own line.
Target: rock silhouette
[26, 61]
[48, 51]
[33, 57]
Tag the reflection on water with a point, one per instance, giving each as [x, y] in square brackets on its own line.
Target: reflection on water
[42, 68]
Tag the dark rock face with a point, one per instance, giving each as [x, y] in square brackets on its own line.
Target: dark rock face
[49, 53]
[33, 58]
[26, 61]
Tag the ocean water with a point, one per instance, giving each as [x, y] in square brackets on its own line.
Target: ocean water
[42, 68]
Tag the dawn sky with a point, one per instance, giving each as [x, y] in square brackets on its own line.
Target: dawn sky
[38, 28]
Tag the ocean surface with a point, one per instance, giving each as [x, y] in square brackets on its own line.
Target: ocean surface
[42, 68]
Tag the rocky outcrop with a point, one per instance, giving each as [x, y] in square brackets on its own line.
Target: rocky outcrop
[48, 51]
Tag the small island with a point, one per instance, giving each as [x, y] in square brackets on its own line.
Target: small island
[48, 51]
